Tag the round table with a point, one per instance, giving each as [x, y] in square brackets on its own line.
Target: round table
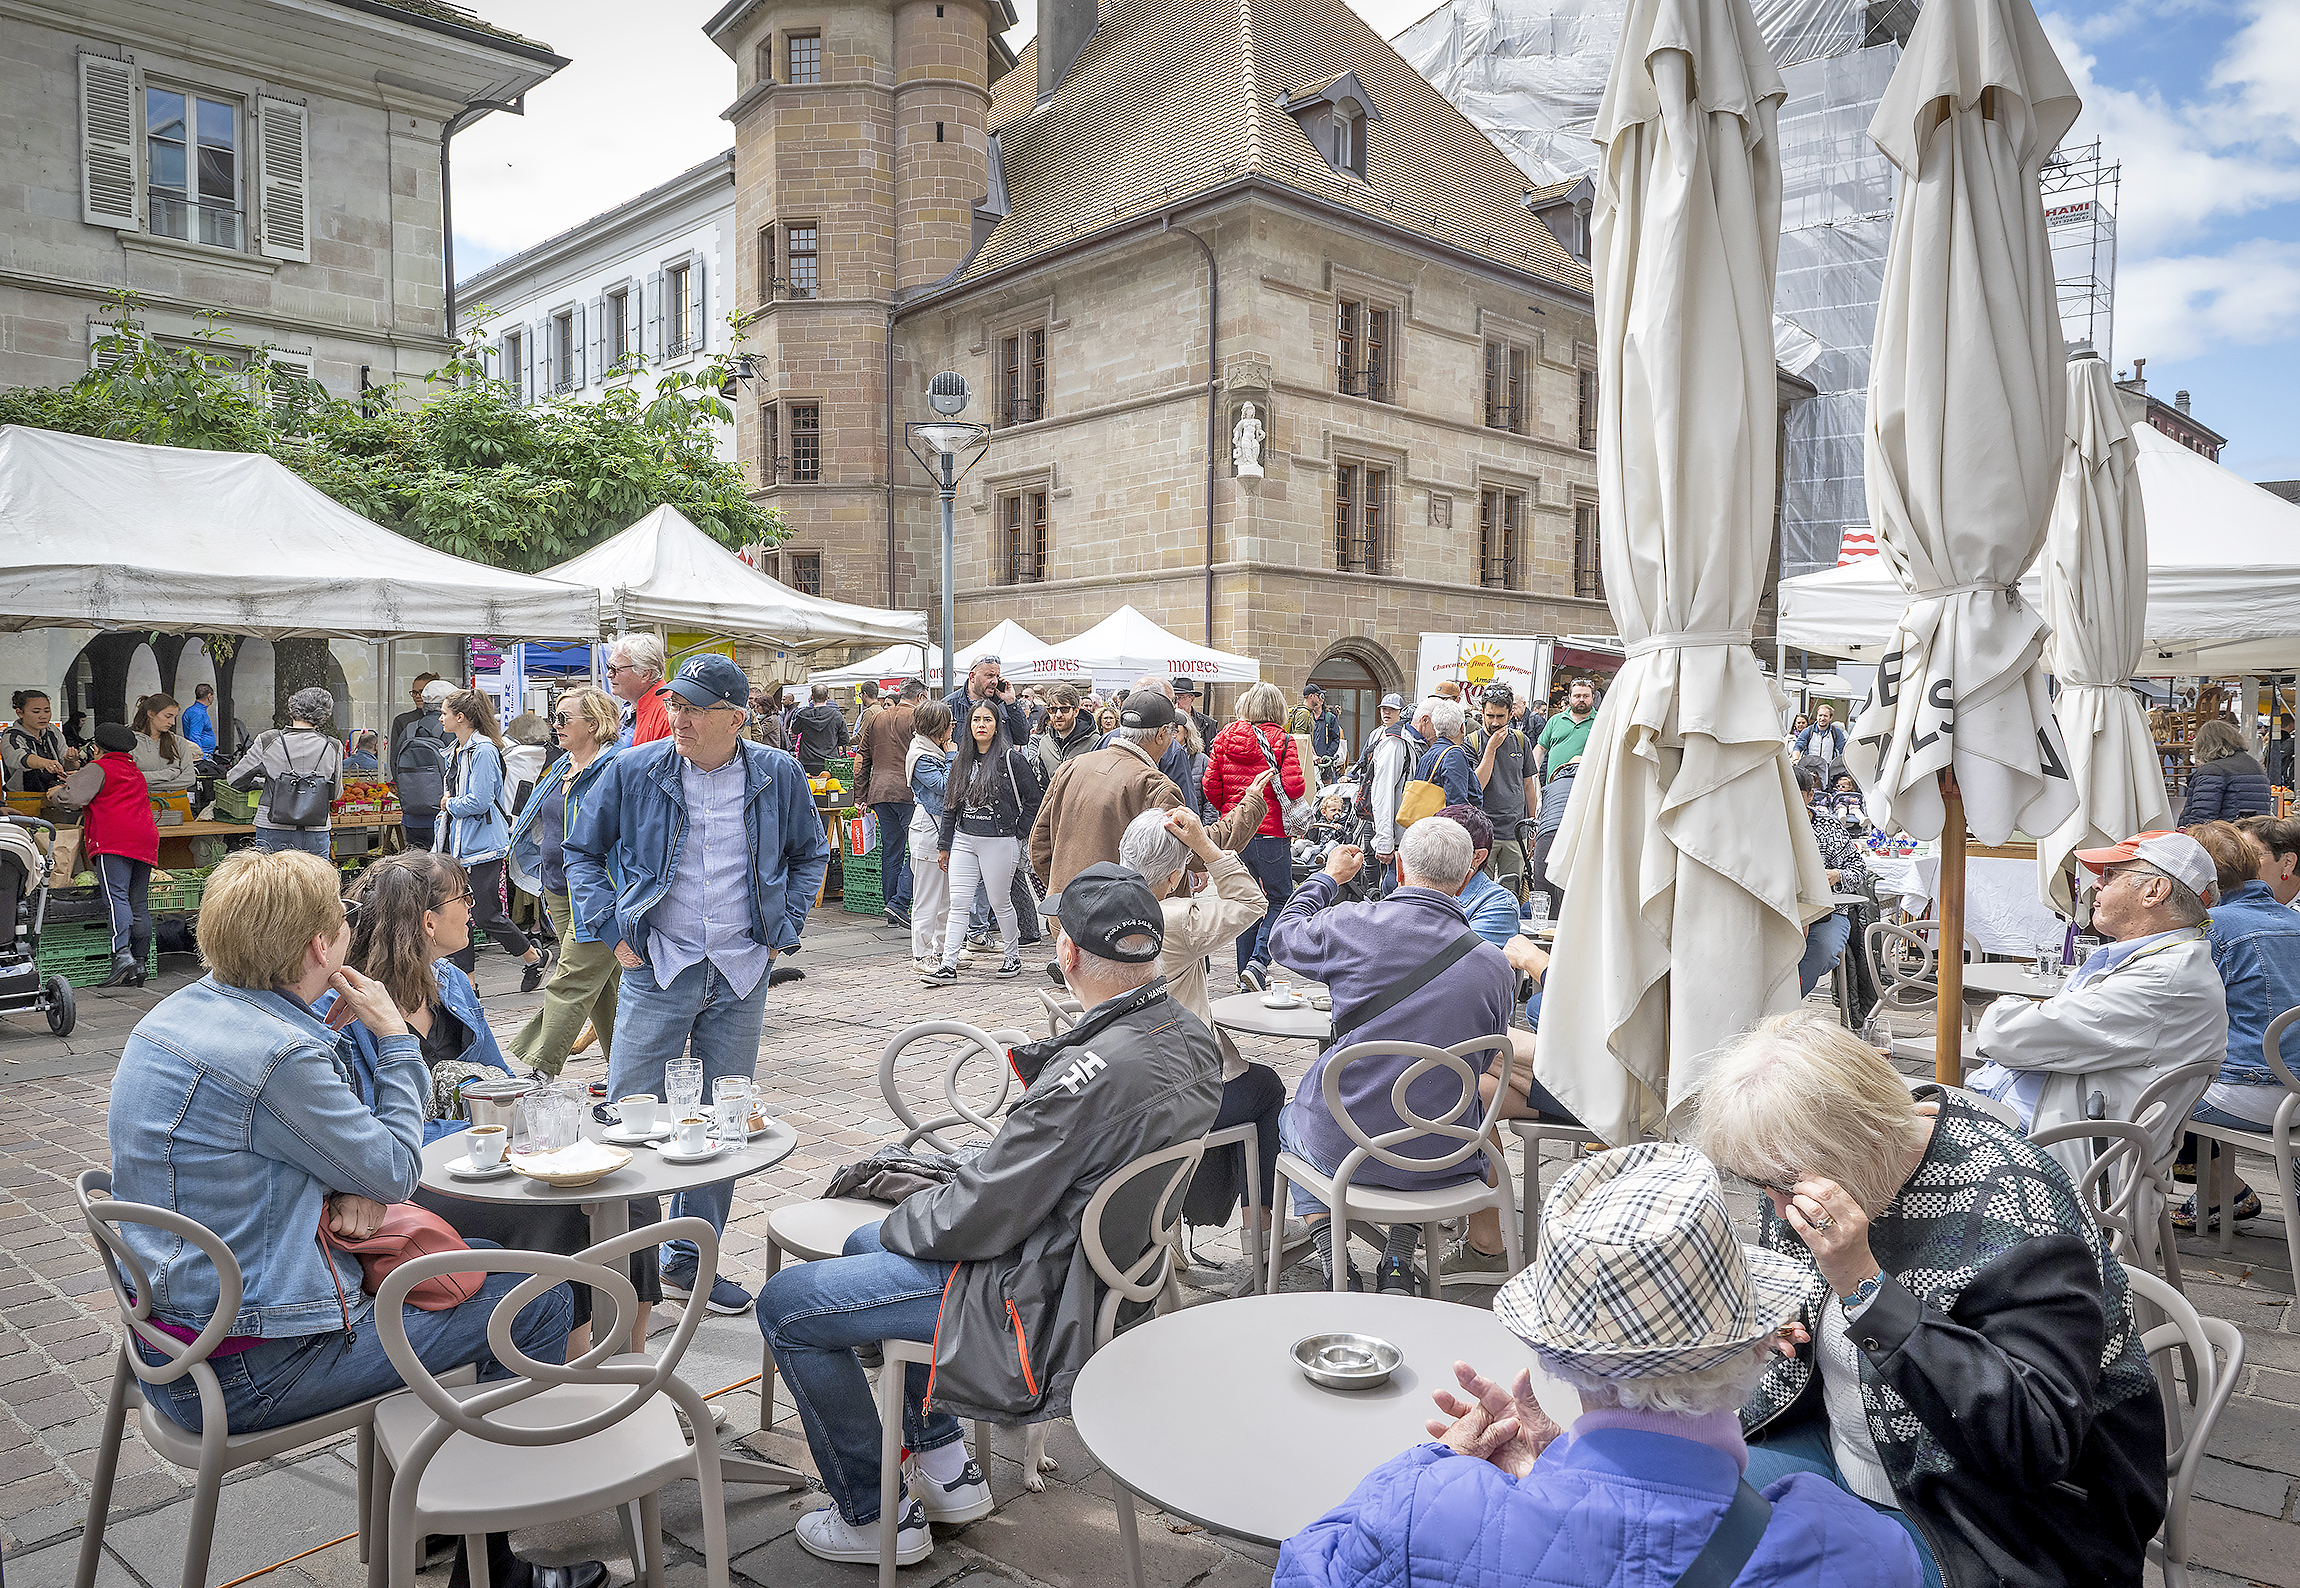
[1998, 980]
[1246, 1012]
[1142, 1402]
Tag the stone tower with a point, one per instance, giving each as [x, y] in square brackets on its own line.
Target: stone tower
[861, 154]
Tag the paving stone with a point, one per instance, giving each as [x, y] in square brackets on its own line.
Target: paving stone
[1236, 1571]
[1069, 1539]
[276, 1512]
[782, 1564]
[756, 1516]
[2256, 1433]
[58, 1565]
[35, 1493]
[2245, 1545]
[2277, 1385]
[55, 1409]
[2246, 1488]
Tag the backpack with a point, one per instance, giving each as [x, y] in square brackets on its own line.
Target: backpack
[419, 764]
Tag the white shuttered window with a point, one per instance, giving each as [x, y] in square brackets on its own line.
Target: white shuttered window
[107, 142]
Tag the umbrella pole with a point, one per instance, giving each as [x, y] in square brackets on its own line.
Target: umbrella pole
[1949, 1010]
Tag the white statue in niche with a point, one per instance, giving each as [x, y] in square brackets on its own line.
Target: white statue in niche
[1246, 445]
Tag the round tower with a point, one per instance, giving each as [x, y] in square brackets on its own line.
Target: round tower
[941, 134]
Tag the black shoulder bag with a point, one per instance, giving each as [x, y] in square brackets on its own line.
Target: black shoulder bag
[1738, 1532]
[1404, 987]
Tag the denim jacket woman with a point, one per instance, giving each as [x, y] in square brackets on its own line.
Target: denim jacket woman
[477, 830]
[2256, 948]
[526, 858]
[363, 1054]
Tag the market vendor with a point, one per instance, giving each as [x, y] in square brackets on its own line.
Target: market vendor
[32, 748]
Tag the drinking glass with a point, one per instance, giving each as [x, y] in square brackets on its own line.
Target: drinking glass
[1537, 908]
[2047, 961]
[683, 1082]
[731, 1101]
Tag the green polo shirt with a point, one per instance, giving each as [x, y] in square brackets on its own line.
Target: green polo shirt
[1563, 739]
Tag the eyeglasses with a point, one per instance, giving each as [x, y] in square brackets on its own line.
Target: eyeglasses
[563, 718]
[465, 897]
[621, 667]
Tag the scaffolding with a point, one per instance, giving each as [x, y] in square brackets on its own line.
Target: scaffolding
[2080, 192]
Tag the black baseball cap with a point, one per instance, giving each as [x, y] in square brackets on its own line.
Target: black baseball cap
[115, 736]
[1146, 708]
[1314, 689]
[1111, 913]
[711, 680]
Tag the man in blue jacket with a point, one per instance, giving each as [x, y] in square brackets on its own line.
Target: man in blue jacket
[715, 850]
[199, 719]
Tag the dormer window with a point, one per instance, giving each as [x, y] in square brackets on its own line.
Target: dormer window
[1333, 115]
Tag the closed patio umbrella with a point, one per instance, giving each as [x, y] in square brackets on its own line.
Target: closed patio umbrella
[2096, 594]
[1966, 410]
[1688, 863]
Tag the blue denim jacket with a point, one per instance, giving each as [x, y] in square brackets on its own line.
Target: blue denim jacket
[2256, 948]
[476, 830]
[623, 847]
[1450, 767]
[237, 1108]
[526, 861]
[362, 1053]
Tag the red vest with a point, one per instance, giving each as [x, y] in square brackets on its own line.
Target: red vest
[119, 820]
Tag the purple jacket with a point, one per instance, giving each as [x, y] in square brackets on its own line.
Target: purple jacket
[1358, 950]
[1615, 1508]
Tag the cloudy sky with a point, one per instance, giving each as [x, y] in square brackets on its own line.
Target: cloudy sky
[2200, 100]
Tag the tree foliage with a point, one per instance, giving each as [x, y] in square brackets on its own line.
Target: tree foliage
[468, 469]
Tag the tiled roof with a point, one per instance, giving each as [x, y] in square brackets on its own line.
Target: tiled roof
[1172, 98]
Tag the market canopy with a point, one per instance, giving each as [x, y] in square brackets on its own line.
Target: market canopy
[918, 661]
[1124, 646]
[664, 572]
[2223, 577]
[119, 535]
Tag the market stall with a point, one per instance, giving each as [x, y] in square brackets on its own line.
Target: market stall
[898, 663]
[1121, 649]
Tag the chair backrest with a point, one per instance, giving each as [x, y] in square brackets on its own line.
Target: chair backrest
[132, 1288]
[2213, 1359]
[2167, 1100]
[1888, 947]
[975, 1047]
[1138, 1212]
[1062, 1011]
[610, 1282]
[1425, 1059]
[2272, 1049]
[2113, 1180]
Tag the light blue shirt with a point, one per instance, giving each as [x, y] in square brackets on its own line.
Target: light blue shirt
[706, 914]
[2020, 1089]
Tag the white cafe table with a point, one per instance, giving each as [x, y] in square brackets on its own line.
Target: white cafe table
[1247, 1013]
[2013, 979]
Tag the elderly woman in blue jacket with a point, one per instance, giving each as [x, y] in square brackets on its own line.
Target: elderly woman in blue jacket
[1651, 1478]
[475, 827]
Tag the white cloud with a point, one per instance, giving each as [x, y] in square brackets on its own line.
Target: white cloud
[2178, 306]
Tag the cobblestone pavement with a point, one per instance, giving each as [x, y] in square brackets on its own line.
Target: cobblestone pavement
[819, 1062]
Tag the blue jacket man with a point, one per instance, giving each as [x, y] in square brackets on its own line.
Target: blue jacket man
[198, 724]
[698, 857]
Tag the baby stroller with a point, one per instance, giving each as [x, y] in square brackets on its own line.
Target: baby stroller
[23, 905]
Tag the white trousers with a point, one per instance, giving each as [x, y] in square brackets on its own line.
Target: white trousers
[929, 889]
[990, 862]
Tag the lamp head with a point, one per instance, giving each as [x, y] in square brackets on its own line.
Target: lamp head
[947, 394]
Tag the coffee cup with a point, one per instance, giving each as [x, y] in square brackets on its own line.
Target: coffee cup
[486, 1145]
[692, 1133]
[637, 1113]
[1281, 990]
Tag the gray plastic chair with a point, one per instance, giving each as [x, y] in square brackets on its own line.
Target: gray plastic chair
[1346, 1201]
[2212, 1356]
[2112, 1185]
[1533, 1133]
[558, 1442]
[2281, 1141]
[213, 1453]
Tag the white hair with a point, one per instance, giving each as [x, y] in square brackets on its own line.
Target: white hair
[1149, 846]
[1140, 736]
[1723, 1387]
[640, 649]
[1436, 850]
[1446, 717]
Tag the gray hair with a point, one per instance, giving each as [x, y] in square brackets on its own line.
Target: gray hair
[1140, 736]
[2187, 907]
[1437, 850]
[315, 706]
[1721, 1387]
[640, 649]
[1446, 716]
[1150, 847]
[1156, 683]
[1263, 702]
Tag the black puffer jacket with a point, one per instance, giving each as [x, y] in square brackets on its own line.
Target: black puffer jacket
[2225, 790]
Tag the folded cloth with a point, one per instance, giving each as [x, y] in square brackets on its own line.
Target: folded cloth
[892, 1173]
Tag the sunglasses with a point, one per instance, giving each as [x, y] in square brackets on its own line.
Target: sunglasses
[564, 718]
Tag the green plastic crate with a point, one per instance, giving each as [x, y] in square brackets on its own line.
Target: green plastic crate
[81, 952]
[234, 806]
[863, 895]
[181, 893]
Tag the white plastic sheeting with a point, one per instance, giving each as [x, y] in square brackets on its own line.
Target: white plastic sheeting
[925, 662]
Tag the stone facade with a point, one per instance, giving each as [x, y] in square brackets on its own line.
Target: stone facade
[352, 102]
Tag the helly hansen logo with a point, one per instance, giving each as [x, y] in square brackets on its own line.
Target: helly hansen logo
[1074, 1079]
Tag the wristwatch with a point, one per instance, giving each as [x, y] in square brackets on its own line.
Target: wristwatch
[1863, 1293]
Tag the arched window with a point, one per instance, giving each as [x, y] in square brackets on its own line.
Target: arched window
[1353, 691]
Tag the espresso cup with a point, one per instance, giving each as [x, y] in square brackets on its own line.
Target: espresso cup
[486, 1145]
[692, 1133]
[1281, 989]
[637, 1113]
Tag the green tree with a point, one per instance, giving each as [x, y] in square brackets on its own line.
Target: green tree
[468, 469]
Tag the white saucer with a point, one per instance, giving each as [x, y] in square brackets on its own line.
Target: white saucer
[463, 1169]
[1283, 1003]
[672, 1154]
[622, 1137]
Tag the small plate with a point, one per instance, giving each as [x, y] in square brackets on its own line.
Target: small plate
[463, 1169]
[1269, 1002]
[671, 1154]
[622, 1137]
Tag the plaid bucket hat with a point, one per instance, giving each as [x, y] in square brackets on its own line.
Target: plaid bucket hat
[1639, 1273]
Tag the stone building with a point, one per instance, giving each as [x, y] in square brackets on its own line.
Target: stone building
[2173, 418]
[1165, 211]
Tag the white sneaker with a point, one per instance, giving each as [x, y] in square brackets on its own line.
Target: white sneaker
[966, 1499]
[829, 1536]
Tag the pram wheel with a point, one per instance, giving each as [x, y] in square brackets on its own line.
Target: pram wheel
[63, 1010]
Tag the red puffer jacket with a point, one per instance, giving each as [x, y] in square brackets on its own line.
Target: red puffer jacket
[1233, 761]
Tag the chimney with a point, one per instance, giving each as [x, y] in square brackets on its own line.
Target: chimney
[1064, 26]
[2140, 376]
[2180, 401]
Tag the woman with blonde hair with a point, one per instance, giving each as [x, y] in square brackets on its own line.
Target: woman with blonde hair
[165, 757]
[583, 987]
[2229, 783]
[1965, 1359]
[1255, 743]
[476, 806]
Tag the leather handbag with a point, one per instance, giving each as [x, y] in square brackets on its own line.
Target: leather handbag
[1421, 797]
[410, 1231]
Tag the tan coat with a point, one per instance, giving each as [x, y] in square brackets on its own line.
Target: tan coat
[1091, 800]
[885, 740]
[1203, 923]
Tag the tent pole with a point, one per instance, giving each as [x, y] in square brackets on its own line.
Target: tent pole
[1949, 1009]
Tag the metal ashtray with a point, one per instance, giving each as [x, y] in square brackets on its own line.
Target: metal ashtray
[1346, 1361]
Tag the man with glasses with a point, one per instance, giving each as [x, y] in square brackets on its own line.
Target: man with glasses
[635, 677]
[1068, 733]
[698, 858]
[2149, 1001]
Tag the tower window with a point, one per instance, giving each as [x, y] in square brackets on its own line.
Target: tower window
[806, 442]
[1588, 562]
[938, 132]
[801, 246]
[806, 57]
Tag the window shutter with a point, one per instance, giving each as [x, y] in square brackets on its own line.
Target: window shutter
[654, 346]
[527, 341]
[541, 336]
[580, 344]
[283, 134]
[602, 356]
[105, 348]
[107, 142]
[698, 328]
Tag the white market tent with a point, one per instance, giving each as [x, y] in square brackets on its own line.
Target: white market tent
[665, 573]
[1122, 648]
[2223, 577]
[919, 661]
[119, 535]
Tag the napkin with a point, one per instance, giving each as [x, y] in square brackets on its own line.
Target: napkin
[580, 1158]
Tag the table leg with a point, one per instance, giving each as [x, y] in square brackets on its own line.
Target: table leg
[608, 1220]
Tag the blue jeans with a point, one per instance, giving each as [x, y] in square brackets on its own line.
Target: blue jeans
[813, 1316]
[1805, 1448]
[1271, 860]
[127, 888]
[1824, 943]
[278, 840]
[286, 1381]
[652, 1026]
[894, 854]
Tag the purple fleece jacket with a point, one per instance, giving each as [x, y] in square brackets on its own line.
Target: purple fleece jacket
[1358, 951]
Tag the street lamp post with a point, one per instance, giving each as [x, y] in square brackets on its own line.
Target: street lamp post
[945, 439]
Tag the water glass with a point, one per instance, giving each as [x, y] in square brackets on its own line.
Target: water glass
[545, 1121]
[1537, 908]
[731, 1097]
[2047, 961]
[683, 1082]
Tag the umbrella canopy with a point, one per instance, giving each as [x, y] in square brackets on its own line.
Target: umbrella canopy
[120, 535]
[2223, 576]
[664, 571]
[1966, 405]
[2096, 593]
[916, 661]
[1124, 646]
[1688, 862]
